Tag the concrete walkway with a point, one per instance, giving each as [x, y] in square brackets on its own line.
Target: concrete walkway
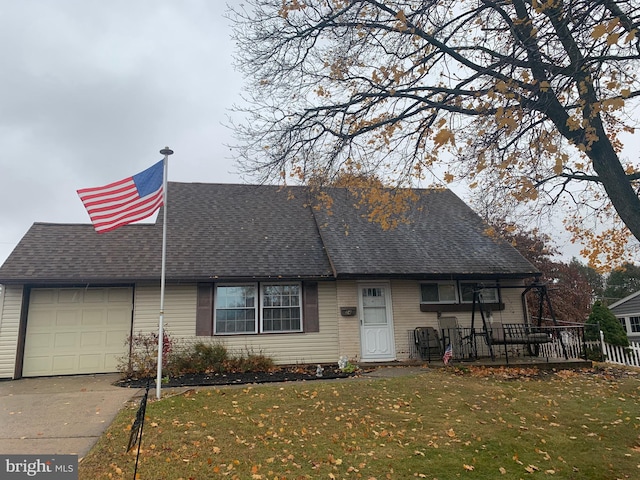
[58, 415]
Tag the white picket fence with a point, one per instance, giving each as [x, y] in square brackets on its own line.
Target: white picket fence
[629, 356]
[574, 347]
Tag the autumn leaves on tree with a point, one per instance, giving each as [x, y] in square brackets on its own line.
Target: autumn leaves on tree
[527, 99]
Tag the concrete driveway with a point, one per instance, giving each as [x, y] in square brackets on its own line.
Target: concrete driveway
[58, 415]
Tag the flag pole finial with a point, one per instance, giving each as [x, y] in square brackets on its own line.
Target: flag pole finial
[166, 151]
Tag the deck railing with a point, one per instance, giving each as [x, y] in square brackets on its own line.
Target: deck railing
[565, 341]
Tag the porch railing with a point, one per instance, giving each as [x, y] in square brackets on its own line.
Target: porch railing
[566, 341]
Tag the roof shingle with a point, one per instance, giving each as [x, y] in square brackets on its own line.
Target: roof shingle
[242, 232]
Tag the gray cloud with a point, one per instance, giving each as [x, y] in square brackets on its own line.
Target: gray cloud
[91, 91]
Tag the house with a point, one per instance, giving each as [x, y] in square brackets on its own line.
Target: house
[627, 310]
[252, 267]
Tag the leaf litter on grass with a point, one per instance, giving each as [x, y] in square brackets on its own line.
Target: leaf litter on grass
[438, 424]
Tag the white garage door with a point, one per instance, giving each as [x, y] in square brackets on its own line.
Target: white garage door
[76, 330]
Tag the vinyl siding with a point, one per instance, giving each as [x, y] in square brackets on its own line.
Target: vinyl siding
[179, 309]
[630, 308]
[347, 295]
[407, 315]
[9, 327]
[287, 348]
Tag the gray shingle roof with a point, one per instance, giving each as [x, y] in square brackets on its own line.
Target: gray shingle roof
[223, 231]
[444, 237]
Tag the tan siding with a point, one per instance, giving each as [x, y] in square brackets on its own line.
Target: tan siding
[179, 309]
[290, 348]
[407, 315]
[347, 295]
[9, 328]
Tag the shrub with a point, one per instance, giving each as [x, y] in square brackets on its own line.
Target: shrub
[613, 331]
[251, 362]
[187, 358]
[142, 362]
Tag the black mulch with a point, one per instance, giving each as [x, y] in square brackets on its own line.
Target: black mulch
[208, 379]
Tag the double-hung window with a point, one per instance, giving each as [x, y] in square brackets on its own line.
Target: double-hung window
[257, 308]
[236, 309]
[635, 324]
[281, 310]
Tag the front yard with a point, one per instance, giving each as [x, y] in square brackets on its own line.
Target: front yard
[440, 424]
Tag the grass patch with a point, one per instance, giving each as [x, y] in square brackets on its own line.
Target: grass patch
[439, 424]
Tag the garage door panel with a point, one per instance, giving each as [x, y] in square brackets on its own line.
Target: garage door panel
[93, 318]
[67, 318]
[115, 340]
[43, 296]
[89, 363]
[38, 364]
[95, 295]
[72, 331]
[42, 318]
[64, 364]
[40, 341]
[70, 295]
[118, 316]
[65, 340]
[92, 339]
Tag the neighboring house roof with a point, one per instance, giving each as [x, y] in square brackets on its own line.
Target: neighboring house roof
[243, 232]
[624, 300]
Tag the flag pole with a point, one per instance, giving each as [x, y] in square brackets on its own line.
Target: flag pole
[166, 151]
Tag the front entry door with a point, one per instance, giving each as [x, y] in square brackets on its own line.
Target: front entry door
[376, 325]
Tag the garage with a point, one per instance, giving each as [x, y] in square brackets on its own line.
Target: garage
[76, 330]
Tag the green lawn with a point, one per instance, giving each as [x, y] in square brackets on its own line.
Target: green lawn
[440, 424]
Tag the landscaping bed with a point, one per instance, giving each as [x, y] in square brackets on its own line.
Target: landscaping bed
[285, 374]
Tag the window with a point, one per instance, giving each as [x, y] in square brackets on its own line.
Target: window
[623, 322]
[440, 292]
[238, 310]
[489, 293]
[635, 324]
[281, 310]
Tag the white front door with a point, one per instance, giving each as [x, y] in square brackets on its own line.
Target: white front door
[376, 325]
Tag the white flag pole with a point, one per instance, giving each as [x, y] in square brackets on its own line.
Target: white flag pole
[166, 152]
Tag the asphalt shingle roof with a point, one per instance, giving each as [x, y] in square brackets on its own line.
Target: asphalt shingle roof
[236, 232]
[443, 237]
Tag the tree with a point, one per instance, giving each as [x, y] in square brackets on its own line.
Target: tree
[613, 331]
[570, 291]
[622, 282]
[526, 98]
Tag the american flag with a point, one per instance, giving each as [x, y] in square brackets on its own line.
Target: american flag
[126, 201]
[448, 353]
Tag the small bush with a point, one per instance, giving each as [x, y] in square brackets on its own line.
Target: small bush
[189, 358]
[251, 362]
[143, 359]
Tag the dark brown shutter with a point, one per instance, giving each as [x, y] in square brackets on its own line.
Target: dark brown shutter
[204, 310]
[311, 319]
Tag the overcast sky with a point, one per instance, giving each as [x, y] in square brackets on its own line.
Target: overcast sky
[90, 91]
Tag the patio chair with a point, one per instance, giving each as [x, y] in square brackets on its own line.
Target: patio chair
[428, 343]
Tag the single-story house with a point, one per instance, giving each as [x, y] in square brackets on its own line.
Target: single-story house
[260, 268]
[627, 310]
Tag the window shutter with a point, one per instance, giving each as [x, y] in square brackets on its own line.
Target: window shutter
[311, 318]
[204, 310]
